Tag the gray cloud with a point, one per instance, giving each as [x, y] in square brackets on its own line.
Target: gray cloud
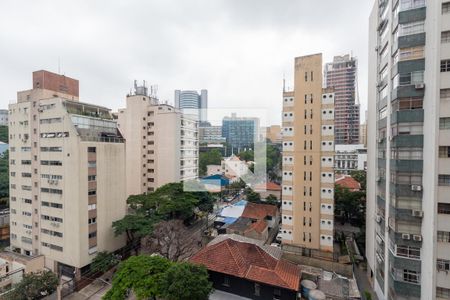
[237, 49]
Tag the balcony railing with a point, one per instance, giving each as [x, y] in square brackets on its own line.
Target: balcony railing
[411, 4]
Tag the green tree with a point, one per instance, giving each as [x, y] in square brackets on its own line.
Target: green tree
[272, 199]
[361, 177]
[248, 155]
[252, 196]
[134, 226]
[185, 281]
[212, 157]
[351, 205]
[4, 137]
[104, 261]
[141, 274]
[34, 286]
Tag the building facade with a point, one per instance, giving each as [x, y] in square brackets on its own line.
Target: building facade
[341, 75]
[67, 175]
[193, 102]
[211, 135]
[240, 132]
[308, 159]
[161, 142]
[4, 113]
[350, 158]
[273, 134]
[408, 208]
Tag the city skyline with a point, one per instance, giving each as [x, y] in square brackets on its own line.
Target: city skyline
[248, 47]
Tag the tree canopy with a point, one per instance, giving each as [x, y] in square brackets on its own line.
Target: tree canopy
[155, 276]
[34, 286]
[140, 274]
[167, 202]
[4, 137]
[104, 261]
[185, 281]
[211, 157]
[351, 205]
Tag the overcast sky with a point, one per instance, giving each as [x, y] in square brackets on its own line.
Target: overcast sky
[237, 49]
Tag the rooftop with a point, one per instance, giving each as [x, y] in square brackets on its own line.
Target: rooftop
[348, 182]
[248, 260]
[269, 186]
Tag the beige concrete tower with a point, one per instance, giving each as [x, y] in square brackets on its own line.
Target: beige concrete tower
[308, 159]
[161, 143]
[67, 163]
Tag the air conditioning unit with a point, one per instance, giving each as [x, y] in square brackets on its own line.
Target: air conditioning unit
[40, 110]
[419, 86]
[417, 213]
[378, 218]
[416, 188]
[406, 236]
[417, 238]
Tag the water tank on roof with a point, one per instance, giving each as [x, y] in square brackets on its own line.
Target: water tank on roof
[307, 286]
[317, 295]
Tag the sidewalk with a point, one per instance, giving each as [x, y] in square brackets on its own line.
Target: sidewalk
[363, 283]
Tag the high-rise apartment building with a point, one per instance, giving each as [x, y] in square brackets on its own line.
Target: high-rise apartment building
[193, 103]
[408, 182]
[341, 75]
[240, 132]
[161, 142]
[308, 159]
[67, 175]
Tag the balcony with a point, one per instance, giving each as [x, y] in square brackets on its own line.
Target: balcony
[405, 141]
[412, 40]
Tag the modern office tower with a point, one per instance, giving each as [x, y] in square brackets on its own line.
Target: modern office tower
[161, 142]
[240, 132]
[308, 160]
[4, 117]
[67, 175]
[408, 212]
[190, 101]
[341, 75]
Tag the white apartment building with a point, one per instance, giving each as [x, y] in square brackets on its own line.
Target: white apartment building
[161, 142]
[350, 158]
[4, 117]
[232, 167]
[408, 182]
[67, 175]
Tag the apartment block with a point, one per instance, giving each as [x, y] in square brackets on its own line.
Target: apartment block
[408, 182]
[341, 75]
[67, 175]
[161, 142]
[308, 159]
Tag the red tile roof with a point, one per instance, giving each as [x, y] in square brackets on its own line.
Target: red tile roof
[259, 211]
[249, 261]
[269, 186]
[348, 182]
[258, 226]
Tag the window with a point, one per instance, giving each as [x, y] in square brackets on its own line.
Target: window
[410, 276]
[92, 220]
[92, 164]
[91, 149]
[445, 37]
[51, 191]
[445, 94]
[443, 236]
[442, 293]
[226, 281]
[92, 177]
[257, 289]
[50, 218]
[51, 163]
[51, 149]
[445, 65]
[92, 192]
[446, 8]
[92, 206]
[92, 234]
[444, 208]
[276, 294]
[51, 246]
[443, 265]
[444, 123]
[444, 151]
[408, 251]
[444, 180]
[412, 28]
